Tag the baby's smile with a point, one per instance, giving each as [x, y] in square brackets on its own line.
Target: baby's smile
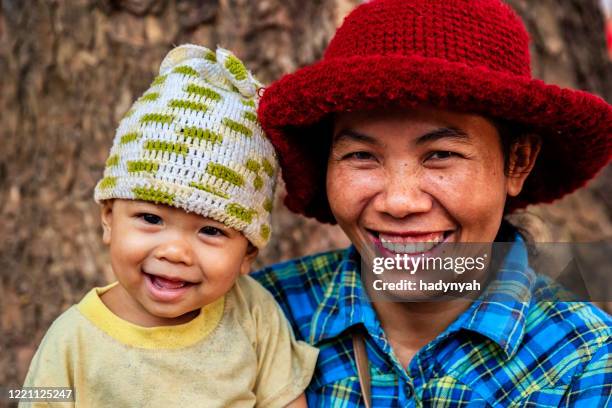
[164, 288]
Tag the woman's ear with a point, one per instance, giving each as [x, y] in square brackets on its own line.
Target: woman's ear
[249, 257]
[106, 215]
[523, 154]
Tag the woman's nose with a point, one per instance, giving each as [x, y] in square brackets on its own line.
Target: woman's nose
[402, 196]
[177, 250]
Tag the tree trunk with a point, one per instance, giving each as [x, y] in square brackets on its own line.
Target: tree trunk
[569, 49]
[70, 69]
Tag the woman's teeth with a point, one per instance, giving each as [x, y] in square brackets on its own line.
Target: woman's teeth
[411, 247]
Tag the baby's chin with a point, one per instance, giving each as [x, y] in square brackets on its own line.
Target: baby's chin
[173, 317]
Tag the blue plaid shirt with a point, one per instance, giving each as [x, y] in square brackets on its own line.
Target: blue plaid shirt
[498, 353]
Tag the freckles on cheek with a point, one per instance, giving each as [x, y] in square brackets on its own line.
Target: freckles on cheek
[467, 191]
[348, 191]
[448, 185]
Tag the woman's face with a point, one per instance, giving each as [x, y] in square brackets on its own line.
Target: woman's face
[408, 180]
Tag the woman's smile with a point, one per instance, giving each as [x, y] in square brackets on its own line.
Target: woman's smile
[408, 242]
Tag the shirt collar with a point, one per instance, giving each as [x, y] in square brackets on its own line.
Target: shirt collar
[345, 303]
[500, 312]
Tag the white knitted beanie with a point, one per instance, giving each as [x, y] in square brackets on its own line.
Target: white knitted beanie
[193, 141]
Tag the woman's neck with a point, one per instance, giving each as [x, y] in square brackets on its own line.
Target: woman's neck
[409, 326]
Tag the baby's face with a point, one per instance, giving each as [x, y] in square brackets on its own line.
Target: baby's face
[169, 262]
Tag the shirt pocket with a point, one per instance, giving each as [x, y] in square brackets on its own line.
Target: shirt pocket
[449, 392]
[543, 398]
[346, 392]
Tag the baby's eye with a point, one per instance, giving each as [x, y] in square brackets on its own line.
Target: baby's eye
[151, 218]
[211, 231]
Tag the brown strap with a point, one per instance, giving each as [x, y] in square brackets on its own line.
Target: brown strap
[363, 367]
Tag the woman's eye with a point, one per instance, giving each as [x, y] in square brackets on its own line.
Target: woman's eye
[441, 155]
[151, 218]
[359, 156]
[211, 231]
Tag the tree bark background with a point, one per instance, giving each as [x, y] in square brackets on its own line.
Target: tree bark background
[70, 69]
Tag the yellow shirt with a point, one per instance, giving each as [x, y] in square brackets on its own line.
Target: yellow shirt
[238, 352]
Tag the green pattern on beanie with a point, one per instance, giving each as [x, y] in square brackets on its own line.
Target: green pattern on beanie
[253, 165]
[258, 183]
[195, 132]
[108, 182]
[112, 160]
[153, 195]
[210, 56]
[156, 118]
[203, 91]
[264, 232]
[129, 137]
[267, 205]
[236, 68]
[268, 168]
[163, 146]
[209, 189]
[136, 166]
[185, 70]
[238, 127]
[248, 102]
[159, 80]
[196, 106]
[225, 173]
[240, 212]
[250, 116]
[150, 97]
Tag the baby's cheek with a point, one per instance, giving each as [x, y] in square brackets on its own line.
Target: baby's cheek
[127, 253]
[135, 243]
[219, 265]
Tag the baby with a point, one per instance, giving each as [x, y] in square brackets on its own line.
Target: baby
[185, 206]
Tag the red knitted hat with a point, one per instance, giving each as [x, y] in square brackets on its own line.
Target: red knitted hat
[459, 55]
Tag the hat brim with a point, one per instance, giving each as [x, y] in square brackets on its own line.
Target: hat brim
[576, 127]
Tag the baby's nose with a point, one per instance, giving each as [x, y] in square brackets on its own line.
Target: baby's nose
[175, 251]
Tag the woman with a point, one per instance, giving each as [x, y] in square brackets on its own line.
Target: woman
[422, 127]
